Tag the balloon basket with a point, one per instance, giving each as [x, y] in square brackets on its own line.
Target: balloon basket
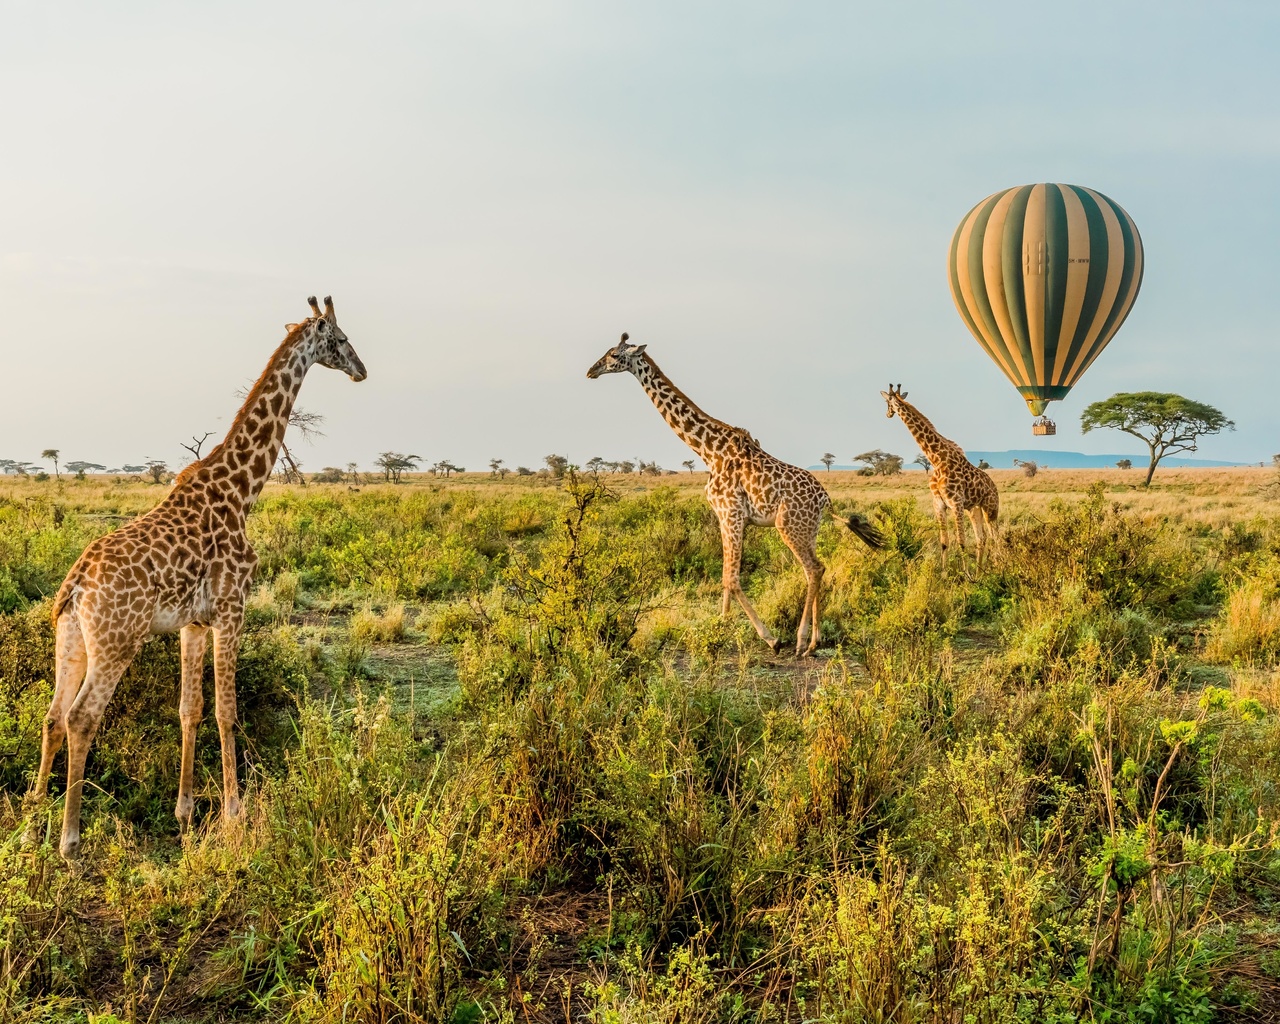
[1044, 427]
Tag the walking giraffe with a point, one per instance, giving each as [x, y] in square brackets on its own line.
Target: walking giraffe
[745, 485]
[954, 481]
[186, 565]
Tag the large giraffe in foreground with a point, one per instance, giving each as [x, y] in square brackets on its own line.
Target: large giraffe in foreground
[185, 565]
[954, 481]
[745, 485]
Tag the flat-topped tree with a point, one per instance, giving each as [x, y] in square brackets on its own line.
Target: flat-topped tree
[186, 565]
[51, 455]
[393, 464]
[81, 468]
[881, 463]
[745, 484]
[1165, 422]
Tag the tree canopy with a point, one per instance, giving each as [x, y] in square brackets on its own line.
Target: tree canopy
[1168, 423]
[880, 463]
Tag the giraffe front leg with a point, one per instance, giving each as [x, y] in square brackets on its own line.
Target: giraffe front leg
[190, 711]
[957, 512]
[226, 646]
[732, 528]
[940, 514]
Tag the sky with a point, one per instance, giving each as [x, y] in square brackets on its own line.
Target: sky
[764, 194]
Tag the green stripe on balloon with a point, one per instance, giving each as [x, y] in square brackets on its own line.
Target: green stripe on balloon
[1127, 284]
[1014, 294]
[1055, 290]
[1099, 250]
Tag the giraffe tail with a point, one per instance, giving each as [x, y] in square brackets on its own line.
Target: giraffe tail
[64, 594]
[867, 533]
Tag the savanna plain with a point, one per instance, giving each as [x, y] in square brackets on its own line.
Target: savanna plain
[503, 761]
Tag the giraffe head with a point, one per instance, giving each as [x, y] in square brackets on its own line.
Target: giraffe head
[892, 398]
[622, 358]
[332, 349]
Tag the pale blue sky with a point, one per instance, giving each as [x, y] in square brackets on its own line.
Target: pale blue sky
[493, 192]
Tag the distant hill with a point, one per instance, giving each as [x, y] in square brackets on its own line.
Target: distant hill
[1063, 460]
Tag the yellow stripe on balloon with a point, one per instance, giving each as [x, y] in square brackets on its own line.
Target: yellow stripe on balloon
[1034, 278]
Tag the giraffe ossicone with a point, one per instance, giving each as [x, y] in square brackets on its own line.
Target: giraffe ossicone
[186, 565]
[955, 482]
[745, 485]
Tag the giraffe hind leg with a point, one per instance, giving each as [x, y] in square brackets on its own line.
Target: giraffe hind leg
[70, 666]
[802, 545]
[83, 719]
[976, 516]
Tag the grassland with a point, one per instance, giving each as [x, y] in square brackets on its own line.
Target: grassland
[503, 761]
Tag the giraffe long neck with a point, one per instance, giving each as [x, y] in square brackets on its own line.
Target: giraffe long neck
[693, 426]
[927, 437]
[247, 455]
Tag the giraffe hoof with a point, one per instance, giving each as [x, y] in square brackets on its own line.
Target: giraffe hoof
[70, 847]
[774, 644]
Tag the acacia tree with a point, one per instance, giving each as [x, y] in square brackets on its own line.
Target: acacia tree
[1166, 422]
[688, 464]
[51, 455]
[495, 466]
[880, 463]
[1125, 464]
[923, 462]
[393, 464]
[557, 464]
[81, 468]
[828, 460]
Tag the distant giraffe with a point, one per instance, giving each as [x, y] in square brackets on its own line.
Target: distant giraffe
[953, 480]
[186, 565]
[745, 484]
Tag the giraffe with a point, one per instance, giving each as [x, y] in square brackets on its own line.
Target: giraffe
[954, 481]
[745, 485]
[186, 565]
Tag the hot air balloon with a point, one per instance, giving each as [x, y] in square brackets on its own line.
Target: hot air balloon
[1043, 276]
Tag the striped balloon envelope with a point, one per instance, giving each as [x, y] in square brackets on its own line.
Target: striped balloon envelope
[1043, 276]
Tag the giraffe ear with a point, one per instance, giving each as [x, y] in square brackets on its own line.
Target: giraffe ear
[637, 349]
[290, 328]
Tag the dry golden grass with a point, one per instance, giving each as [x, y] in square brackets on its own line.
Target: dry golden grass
[1211, 494]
